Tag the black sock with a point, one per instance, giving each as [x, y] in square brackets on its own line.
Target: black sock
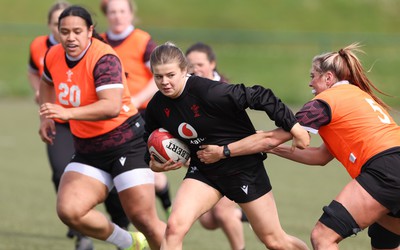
[244, 217]
[164, 197]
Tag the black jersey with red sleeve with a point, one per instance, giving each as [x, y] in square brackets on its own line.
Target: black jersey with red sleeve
[211, 112]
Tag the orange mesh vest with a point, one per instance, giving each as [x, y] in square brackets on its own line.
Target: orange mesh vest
[75, 87]
[359, 129]
[38, 49]
[131, 51]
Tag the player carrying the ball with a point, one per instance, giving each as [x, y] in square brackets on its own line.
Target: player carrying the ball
[201, 111]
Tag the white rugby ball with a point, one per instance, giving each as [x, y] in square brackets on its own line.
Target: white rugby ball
[164, 146]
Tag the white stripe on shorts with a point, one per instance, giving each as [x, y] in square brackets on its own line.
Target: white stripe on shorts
[93, 172]
[134, 177]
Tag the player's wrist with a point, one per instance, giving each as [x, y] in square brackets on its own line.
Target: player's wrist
[226, 152]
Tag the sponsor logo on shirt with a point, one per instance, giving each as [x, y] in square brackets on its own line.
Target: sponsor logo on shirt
[186, 131]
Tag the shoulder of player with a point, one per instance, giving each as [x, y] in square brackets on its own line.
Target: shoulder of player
[211, 92]
[39, 41]
[155, 100]
[141, 32]
[54, 52]
[196, 82]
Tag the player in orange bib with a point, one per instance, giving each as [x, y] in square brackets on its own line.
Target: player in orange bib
[357, 130]
[60, 152]
[41, 44]
[134, 47]
[84, 83]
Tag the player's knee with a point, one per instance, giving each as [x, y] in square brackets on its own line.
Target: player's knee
[337, 218]
[272, 242]
[381, 238]
[208, 222]
[68, 215]
[221, 214]
[318, 237]
[148, 224]
[139, 218]
[177, 226]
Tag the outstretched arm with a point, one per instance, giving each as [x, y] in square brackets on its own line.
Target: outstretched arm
[310, 156]
[262, 141]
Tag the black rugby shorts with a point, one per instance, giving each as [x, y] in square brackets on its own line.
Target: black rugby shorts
[380, 177]
[246, 185]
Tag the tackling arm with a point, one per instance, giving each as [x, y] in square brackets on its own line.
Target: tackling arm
[310, 156]
[262, 141]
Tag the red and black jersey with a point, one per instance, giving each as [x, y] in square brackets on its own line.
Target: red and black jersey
[211, 112]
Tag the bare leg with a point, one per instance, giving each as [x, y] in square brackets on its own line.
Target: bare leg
[189, 204]
[160, 180]
[355, 199]
[77, 196]
[226, 215]
[139, 205]
[263, 217]
[162, 191]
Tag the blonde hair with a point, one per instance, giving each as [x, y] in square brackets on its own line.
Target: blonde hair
[168, 53]
[346, 66]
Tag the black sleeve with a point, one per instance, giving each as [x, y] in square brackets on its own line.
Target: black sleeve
[229, 97]
[149, 126]
[260, 98]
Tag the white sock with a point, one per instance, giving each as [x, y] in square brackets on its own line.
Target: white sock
[120, 237]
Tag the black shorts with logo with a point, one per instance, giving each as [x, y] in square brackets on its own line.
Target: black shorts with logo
[243, 186]
[380, 177]
[118, 160]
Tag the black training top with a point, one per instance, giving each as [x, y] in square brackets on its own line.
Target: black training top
[211, 112]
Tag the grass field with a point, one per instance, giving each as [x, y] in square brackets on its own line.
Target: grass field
[27, 210]
[257, 42]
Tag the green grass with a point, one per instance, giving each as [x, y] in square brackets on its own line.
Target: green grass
[263, 42]
[257, 42]
[29, 220]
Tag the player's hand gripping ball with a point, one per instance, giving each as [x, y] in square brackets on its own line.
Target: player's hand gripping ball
[164, 146]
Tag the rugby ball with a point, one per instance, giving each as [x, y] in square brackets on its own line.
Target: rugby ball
[164, 146]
